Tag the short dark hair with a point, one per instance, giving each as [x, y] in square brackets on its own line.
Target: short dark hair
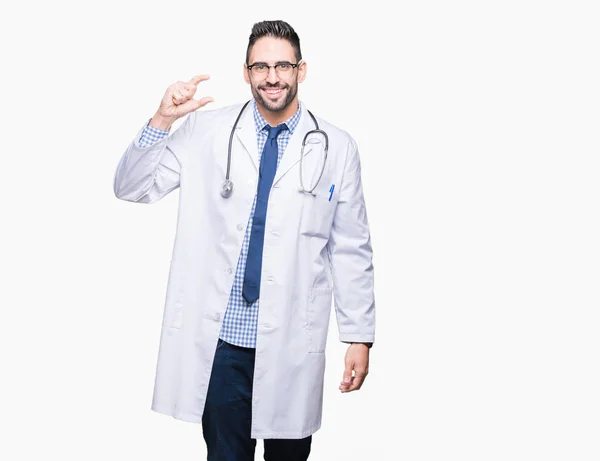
[277, 29]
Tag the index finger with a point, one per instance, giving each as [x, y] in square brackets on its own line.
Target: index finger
[199, 78]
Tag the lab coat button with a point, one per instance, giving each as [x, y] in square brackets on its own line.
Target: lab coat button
[217, 317]
[240, 227]
[229, 270]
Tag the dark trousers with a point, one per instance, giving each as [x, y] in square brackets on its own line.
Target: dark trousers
[228, 412]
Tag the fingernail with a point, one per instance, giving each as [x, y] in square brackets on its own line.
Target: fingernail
[346, 380]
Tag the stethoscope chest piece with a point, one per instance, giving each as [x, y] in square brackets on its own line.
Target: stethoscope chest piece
[227, 188]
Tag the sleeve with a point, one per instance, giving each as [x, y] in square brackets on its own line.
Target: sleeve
[148, 172]
[351, 258]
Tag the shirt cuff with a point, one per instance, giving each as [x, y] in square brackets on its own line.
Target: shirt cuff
[151, 135]
[369, 345]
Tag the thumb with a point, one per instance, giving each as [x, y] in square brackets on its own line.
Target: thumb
[197, 104]
[347, 378]
[193, 104]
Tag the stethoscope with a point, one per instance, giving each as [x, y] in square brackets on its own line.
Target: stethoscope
[227, 187]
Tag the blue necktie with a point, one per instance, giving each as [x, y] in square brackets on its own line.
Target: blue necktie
[268, 166]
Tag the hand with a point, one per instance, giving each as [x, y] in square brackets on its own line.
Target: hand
[357, 359]
[179, 101]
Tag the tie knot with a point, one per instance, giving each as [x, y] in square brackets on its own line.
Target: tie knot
[274, 131]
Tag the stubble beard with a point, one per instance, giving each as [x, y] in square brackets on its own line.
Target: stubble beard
[278, 106]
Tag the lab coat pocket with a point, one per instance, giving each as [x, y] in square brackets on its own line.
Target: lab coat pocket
[317, 318]
[317, 215]
[173, 310]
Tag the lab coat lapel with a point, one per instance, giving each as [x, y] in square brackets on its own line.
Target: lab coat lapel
[291, 155]
[246, 133]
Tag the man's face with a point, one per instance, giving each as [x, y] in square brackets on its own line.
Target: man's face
[274, 91]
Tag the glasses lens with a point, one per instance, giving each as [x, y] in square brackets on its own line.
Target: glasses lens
[260, 68]
[284, 68]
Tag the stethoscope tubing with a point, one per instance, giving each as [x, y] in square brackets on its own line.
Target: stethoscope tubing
[227, 187]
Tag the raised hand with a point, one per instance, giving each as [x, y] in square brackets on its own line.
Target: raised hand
[179, 101]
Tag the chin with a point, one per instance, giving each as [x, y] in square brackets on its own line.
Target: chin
[280, 107]
[273, 106]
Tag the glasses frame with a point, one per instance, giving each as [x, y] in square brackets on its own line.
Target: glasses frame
[294, 66]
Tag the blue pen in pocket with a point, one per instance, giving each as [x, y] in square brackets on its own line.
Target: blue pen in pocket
[331, 191]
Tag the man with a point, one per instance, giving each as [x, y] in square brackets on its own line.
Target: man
[254, 266]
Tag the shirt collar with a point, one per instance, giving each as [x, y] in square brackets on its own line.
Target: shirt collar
[291, 123]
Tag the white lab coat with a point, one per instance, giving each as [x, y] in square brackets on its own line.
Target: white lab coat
[313, 247]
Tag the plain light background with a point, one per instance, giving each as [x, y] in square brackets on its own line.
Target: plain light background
[477, 124]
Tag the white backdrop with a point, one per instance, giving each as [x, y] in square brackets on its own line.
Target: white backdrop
[477, 124]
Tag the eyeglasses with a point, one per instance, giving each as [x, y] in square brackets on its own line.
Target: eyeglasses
[282, 68]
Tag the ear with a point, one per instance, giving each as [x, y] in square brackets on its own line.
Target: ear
[302, 71]
[246, 74]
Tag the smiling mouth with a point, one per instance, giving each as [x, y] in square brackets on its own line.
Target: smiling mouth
[272, 91]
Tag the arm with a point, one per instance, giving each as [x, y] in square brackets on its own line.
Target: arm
[150, 167]
[351, 257]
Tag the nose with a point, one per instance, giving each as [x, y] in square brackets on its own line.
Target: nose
[272, 76]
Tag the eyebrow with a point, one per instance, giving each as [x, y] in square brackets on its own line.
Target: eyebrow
[278, 62]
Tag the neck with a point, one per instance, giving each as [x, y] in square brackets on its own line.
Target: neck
[276, 118]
